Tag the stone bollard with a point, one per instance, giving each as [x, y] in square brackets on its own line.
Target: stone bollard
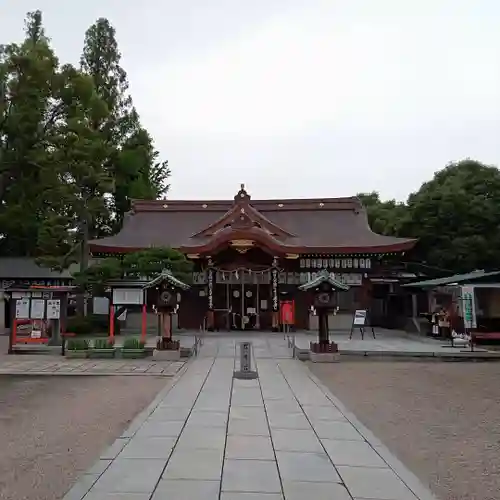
[245, 370]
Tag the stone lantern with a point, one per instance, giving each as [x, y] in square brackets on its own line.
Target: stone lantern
[324, 288]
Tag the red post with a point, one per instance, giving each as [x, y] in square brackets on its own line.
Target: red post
[14, 333]
[112, 322]
[143, 322]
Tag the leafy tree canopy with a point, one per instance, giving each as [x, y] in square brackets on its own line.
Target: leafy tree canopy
[73, 152]
[455, 216]
[144, 264]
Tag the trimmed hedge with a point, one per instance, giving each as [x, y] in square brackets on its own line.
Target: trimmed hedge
[87, 325]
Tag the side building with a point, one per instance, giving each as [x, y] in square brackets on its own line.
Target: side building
[250, 254]
[21, 271]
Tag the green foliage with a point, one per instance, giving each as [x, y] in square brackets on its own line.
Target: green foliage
[456, 217]
[77, 345]
[72, 149]
[151, 262]
[28, 112]
[103, 344]
[384, 217]
[132, 160]
[87, 325]
[138, 174]
[137, 265]
[95, 277]
[133, 343]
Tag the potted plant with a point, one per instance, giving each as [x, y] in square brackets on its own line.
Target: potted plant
[103, 348]
[133, 348]
[167, 349]
[77, 348]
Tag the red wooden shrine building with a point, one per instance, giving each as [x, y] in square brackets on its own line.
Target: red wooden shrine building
[250, 254]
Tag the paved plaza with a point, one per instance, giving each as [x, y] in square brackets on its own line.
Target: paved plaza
[393, 343]
[282, 436]
[58, 365]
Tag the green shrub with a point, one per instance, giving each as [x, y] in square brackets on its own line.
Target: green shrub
[77, 344]
[103, 344]
[87, 325]
[133, 343]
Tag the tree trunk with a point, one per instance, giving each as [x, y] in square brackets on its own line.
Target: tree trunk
[81, 302]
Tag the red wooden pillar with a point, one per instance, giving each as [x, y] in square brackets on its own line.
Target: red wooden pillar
[112, 322]
[143, 322]
[14, 332]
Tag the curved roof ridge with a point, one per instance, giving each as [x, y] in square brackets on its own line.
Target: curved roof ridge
[236, 209]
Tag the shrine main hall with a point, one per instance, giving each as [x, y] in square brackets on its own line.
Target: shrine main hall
[249, 255]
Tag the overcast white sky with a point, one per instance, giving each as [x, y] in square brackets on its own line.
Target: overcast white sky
[299, 98]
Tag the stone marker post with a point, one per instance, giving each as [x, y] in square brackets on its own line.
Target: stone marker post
[245, 370]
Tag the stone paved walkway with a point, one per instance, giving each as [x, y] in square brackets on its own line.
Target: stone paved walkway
[282, 436]
[57, 365]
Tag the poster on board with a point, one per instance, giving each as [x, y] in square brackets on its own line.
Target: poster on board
[37, 308]
[53, 309]
[22, 308]
[359, 317]
[360, 320]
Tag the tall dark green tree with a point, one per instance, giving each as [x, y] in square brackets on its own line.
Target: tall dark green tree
[79, 158]
[139, 175]
[28, 114]
[456, 217]
[132, 162]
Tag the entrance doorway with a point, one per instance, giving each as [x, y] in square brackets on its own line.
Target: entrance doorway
[247, 298]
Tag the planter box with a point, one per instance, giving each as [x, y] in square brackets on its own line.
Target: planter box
[324, 357]
[167, 355]
[77, 354]
[133, 353]
[102, 353]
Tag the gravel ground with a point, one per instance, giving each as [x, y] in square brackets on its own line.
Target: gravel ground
[52, 429]
[441, 419]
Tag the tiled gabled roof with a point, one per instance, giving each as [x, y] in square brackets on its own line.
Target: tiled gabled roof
[337, 225]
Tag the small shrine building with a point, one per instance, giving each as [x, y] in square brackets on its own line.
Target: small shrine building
[250, 254]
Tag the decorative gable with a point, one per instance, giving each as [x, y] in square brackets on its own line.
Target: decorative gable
[242, 215]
